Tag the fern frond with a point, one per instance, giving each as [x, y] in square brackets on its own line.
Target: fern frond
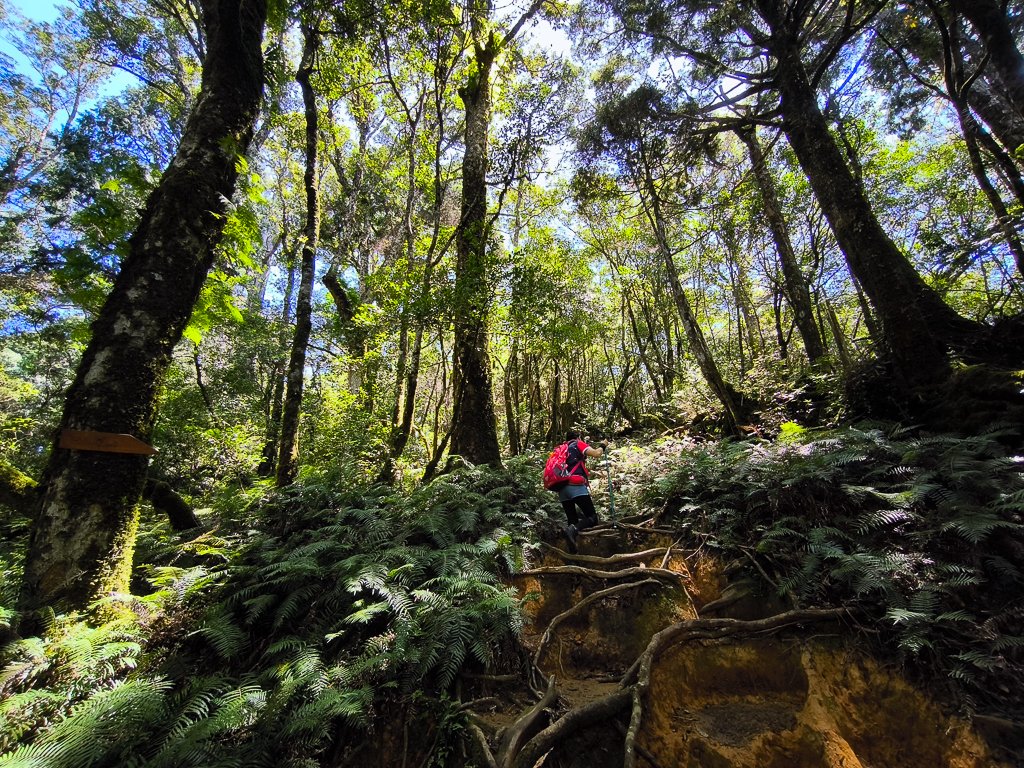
[226, 637]
[95, 727]
[975, 524]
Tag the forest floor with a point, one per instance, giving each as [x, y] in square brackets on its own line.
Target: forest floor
[644, 654]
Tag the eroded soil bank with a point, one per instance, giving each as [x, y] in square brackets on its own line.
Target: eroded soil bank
[801, 696]
[638, 653]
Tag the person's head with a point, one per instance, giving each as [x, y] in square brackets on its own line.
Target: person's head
[573, 434]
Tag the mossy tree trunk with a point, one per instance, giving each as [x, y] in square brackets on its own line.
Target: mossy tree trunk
[84, 533]
[474, 433]
[474, 427]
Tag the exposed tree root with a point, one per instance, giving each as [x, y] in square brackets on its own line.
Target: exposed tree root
[570, 723]
[486, 701]
[645, 754]
[653, 528]
[722, 602]
[668, 555]
[576, 570]
[480, 744]
[638, 676]
[489, 678]
[522, 729]
[625, 557]
[578, 608]
[519, 750]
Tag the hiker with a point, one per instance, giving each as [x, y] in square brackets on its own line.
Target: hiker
[576, 492]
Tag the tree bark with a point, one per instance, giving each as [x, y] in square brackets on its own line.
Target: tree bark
[82, 541]
[918, 327]
[288, 450]
[796, 290]
[474, 424]
[474, 428]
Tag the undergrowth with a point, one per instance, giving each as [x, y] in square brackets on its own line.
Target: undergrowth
[920, 533]
[299, 622]
[271, 639]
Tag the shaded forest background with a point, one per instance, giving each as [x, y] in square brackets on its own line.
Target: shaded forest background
[342, 248]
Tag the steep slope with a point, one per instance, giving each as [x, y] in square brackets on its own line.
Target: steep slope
[640, 672]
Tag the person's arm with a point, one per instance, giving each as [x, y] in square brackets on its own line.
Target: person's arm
[597, 452]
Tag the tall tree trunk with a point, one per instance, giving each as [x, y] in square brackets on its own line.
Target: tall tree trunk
[780, 335]
[670, 355]
[694, 335]
[288, 452]
[838, 336]
[796, 290]
[643, 343]
[83, 537]
[407, 370]
[755, 333]
[474, 429]
[474, 426]
[511, 397]
[972, 133]
[918, 326]
[651, 321]
[275, 400]
[557, 429]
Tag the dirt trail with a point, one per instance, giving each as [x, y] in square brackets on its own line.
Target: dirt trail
[642, 654]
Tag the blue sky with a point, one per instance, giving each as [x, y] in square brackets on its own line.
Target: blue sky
[41, 10]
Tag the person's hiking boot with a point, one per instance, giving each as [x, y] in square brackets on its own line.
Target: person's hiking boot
[570, 535]
[588, 522]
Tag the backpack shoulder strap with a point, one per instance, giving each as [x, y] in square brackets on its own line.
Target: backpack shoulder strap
[576, 459]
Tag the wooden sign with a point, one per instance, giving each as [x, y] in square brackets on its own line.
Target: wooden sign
[104, 442]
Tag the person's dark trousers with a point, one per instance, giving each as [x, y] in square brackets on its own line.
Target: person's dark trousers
[587, 515]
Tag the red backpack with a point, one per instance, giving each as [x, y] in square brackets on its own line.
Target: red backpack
[558, 472]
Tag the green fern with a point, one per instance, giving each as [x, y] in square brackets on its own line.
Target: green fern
[900, 522]
[94, 730]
